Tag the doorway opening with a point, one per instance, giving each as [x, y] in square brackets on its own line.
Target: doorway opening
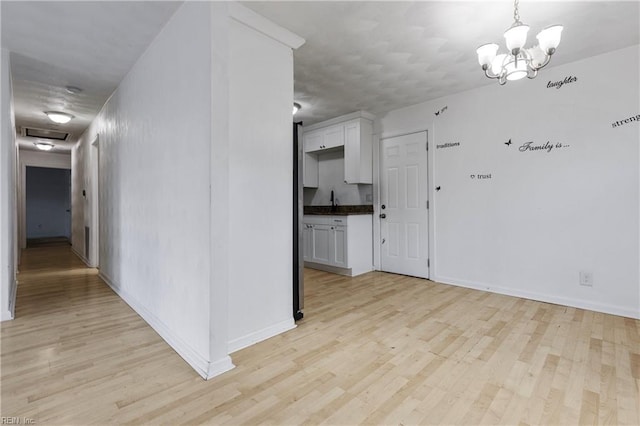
[48, 206]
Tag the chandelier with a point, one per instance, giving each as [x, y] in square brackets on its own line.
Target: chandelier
[519, 62]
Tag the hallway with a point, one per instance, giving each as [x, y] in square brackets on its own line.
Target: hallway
[376, 349]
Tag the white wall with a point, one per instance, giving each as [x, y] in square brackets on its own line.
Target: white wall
[543, 216]
[260, 187]
[154, 142]
[331, 177]
[196, 136]
[8, 202]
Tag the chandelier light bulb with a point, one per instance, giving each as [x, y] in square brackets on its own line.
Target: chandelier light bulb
[549, 38]
[487, 53]
[516, 37]
[519, 62]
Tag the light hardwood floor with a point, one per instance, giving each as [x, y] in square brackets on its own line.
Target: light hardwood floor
[377, 349]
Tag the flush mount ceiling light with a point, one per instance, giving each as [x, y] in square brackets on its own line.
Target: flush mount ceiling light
[296, 107]
[59, 117]
[44, 146]
[519, 62]
[74, 90]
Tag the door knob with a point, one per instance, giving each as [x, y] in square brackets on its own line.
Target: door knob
[383, 216]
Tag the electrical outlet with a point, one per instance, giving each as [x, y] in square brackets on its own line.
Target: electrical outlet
[586, 279]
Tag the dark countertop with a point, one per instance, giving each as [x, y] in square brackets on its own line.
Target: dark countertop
[339, 210]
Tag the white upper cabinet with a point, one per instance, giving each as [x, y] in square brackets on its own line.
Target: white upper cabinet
[358, 151]
[323, 139]
[354, 132]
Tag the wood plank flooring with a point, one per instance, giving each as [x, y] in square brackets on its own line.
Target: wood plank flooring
[376, 349]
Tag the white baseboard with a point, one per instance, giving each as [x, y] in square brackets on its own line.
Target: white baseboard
[220, 366]
[81, 256]
[541, 297]
[6, 315]
[260, 335]
[9, 313]
[207, 369]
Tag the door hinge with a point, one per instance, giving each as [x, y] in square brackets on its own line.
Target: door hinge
[427, 146]
[427, 204]
[428, 263]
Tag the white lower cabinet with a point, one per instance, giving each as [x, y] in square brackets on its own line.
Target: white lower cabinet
[340, 244]
[307, 241]
[321, 243]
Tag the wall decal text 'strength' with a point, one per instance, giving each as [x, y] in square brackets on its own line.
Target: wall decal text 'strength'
[625, 121]
[448, 145]
[548, 146]
[559, 84]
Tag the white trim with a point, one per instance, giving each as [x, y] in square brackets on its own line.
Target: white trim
[540, 297]
[376, 202]
[341, 119]
[261, 24]
[395, 134]
[10, 313]
[84, 259]
[260, 335]
[329, 268]
[203, 367]
[220, 366]
[6, 316]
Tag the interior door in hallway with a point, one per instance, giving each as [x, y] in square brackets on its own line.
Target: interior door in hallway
[404, 232]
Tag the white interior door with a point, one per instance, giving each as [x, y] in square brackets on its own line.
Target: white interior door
[404, 233]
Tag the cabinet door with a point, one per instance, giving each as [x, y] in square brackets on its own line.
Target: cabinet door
[339, 246]
[310, 170]
[307, 241]
[352, 153]
[333, 137]
[313, 141]
[358, 152]
[321, 235]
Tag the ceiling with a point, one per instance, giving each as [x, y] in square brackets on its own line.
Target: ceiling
[372, 56]
[90, 45]
[380, 56]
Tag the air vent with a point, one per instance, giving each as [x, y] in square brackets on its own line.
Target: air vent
[44, 134]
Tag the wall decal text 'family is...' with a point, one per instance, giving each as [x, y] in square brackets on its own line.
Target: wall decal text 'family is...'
[548, 146]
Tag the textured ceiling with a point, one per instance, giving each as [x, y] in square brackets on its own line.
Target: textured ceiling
[90, 45]
[373, 56]
[379, 56]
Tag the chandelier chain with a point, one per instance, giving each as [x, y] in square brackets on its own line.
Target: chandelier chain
[516, 13]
